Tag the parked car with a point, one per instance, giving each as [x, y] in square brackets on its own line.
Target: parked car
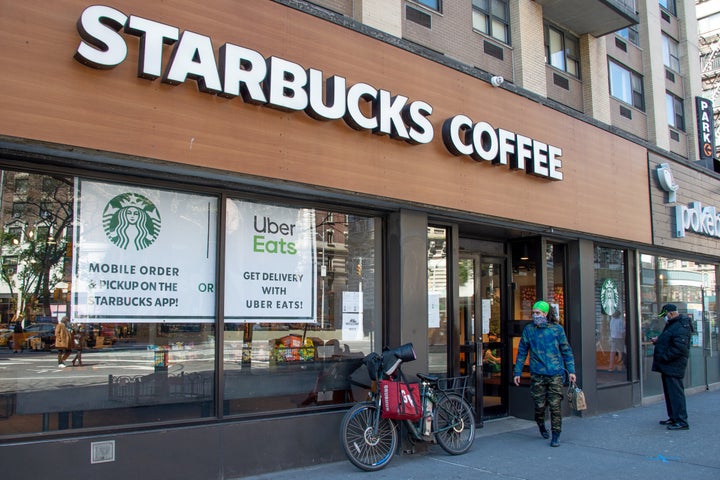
[38, 336]
[5, 336]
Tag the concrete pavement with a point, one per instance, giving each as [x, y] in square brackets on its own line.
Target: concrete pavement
[627, 444]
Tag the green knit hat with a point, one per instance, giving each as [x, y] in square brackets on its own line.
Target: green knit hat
[542, 306]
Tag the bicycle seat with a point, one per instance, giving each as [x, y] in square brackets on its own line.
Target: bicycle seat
[428, 378]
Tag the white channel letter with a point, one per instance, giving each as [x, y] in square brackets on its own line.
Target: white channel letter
[354, 116]
[334, 92]
[243, 72]
[452, 130]
[484, 150]
[102, 47]
[183, 63]
[285, 85]
[153, 35]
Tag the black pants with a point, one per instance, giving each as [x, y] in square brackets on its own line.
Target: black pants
[674, 398]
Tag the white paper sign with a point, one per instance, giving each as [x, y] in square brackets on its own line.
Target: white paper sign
[433, 310]
[270, 263]
[352, 327]
[143, 255]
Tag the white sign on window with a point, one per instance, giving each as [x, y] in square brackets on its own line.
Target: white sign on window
[143, 255]
[270, 263]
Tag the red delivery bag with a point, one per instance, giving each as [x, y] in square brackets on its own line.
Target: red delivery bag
[400, 400]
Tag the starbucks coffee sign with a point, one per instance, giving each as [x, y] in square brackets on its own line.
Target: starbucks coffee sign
[278, 83]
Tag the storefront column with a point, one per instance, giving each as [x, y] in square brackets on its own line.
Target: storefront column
[407, 285]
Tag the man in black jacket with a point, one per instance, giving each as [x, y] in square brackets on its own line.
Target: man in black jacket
[672, 348]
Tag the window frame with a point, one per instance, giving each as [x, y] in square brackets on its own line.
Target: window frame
[671, 53]
[637, 98]
[631, 34]
[675, 111]
[567, 58]
[435, 5]
[491, 20]
[669, 6]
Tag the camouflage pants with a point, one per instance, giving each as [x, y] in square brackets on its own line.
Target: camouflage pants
[547, 392]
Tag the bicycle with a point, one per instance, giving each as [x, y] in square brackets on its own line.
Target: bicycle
[370, 440]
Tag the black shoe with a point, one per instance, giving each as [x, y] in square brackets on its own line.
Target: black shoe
[543, 431]
[669, 421]
[679, 426]
[555, 442]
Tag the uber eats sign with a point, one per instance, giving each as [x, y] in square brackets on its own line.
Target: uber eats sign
[235, 71]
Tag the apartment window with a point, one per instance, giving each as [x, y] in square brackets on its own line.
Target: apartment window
[434, 4]
[626, 86]
[18, 209]
[491, 17]
[562, 50]
[669, 6]
[21, 185]
[671, 57]
[675, 111]
[630, 34]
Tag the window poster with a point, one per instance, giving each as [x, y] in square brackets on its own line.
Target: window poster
[270, 263]
[143, 255]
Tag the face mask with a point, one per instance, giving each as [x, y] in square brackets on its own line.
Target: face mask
[539, 320]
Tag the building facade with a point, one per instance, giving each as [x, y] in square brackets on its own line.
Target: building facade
[234, 205]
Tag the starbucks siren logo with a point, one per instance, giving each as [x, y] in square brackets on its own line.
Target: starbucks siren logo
[609, 297]
[131, 218]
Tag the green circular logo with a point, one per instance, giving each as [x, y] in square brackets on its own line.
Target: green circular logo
[609, 297]
[131, 219]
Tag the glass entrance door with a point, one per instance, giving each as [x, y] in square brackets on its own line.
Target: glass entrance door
[482, 354]
[495, 361]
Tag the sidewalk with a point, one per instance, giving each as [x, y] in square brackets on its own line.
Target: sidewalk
[627, 444]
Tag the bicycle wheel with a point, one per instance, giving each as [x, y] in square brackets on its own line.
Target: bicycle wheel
[365, 448]
[454, 424]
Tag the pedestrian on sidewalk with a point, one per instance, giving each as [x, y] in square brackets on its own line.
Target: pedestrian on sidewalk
[672, 349]
[550, 357]
[63, 341]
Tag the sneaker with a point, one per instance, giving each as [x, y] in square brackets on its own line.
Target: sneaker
[679, 426]
[669, 421]
[61, 365]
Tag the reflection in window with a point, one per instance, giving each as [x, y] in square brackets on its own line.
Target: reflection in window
[611, 320]
[437, 272]
[692, 288]
[298, 326]
[555, 266]
[139, 353]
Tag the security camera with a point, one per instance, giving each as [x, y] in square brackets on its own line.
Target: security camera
[496, 80]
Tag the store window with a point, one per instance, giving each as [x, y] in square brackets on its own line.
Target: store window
[626, 85]
[555, 268]
[140, 305]
[492, 17]
[133, 269]
[437, 275]
[562, 50]
[611, 319]
[692, 288]
[301, 308]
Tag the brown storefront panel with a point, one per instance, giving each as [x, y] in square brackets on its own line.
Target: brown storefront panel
[50, 97]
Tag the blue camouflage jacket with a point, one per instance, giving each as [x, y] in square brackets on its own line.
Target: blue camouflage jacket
[550, 352]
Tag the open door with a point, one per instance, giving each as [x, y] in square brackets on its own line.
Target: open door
[482, 340]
